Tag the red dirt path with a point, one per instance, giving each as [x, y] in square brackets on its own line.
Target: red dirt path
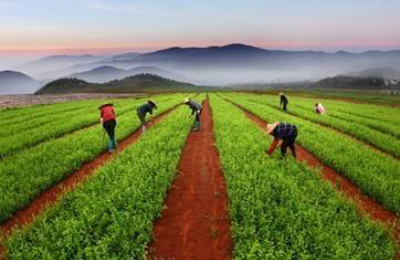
[50, 196]
[196, 222]
[366, 204]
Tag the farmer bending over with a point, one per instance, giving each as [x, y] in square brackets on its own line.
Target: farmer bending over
[196, 108]
[319, 109]
[143, 110]
[107, 118]
[284, 101]
[285, 132]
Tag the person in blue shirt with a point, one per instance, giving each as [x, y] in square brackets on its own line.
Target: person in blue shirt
[196, 109]
[285, 132]
[143, 110]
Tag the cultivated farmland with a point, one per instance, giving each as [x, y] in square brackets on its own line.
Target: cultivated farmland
[173, 193]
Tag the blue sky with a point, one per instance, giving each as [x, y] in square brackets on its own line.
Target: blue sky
[111, 25]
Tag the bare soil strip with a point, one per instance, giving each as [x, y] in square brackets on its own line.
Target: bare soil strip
[195, 223]
[50, 197]
[366, 204]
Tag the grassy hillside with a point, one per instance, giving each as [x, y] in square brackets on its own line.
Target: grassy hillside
[134, 84]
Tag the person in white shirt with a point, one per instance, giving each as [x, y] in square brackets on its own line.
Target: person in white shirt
[319, 109]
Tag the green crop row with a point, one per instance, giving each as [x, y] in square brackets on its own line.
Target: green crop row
[23, 124]
[383, 127]
[30, 172]
[387, 143]
[282, 210]
[14, 115]
[110, 216]
[375, 173]
[26, 139]
[375, 112]
[344, 111]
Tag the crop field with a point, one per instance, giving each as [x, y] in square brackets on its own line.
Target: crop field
[174, 193]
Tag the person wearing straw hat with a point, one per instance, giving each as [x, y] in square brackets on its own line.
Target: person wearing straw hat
[285, 132]
[108, 119]
[319, 109]
[143, 110]
[196, 108]
[284, 101]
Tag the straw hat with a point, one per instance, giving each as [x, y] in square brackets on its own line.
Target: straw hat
[270, 128]
[186, 100]
[152, 103]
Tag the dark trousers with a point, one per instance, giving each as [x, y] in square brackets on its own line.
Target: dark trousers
[142, 117]
[110, 128]
[284, 106]
[289, 142]
[198, 115]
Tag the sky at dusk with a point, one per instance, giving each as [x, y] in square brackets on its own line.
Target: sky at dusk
[103, 26]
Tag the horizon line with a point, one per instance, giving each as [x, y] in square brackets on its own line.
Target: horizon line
[143, 49]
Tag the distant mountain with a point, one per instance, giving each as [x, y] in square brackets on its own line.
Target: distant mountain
[100, 74]
[13, 82]
[381, 72]
[240, 63]
[57, 62]
[126, 56]
[134, 84]
[348, 82]
[108, 73]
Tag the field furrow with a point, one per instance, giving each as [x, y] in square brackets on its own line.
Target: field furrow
[111, 216]
[29, 173]
[282, 210]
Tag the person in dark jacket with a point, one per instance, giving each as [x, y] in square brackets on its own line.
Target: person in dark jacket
[108, 119]
[196, 109]
[143, 110]
[284, 101]
[285, 132]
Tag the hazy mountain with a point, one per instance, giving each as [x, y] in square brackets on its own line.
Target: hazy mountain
[348, 82]
[239, 63]
[126, 56]
[381, 72]
[108, 73]
[100, 74]
[56, 62]
[138, 83]
[13, 82]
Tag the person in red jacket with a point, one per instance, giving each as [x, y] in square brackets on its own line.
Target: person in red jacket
[108, 119]
[285, 132]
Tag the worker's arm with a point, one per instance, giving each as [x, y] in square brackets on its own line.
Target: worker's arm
[273, 146]
[101, 117]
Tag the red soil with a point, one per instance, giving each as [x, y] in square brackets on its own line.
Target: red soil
[50, 196]
[366, 204]
[195, 223]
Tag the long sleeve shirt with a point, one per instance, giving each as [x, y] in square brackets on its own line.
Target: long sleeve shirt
[281, 131]
[194, 106]
[284, 100]
[146, 108]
